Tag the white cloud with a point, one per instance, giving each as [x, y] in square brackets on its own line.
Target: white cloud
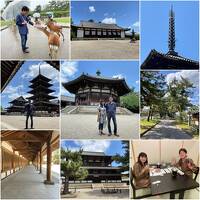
[45, 69]
[137, 82]
[119, 76]
[68, 70]
[10, 89]
[135, 27]
[92, 9]
[193, 76]
[136, 24]
[14, 92]
[93, 145]
[110, 20]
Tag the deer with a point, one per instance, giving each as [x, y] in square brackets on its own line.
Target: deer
[53, 42]
[55, 28]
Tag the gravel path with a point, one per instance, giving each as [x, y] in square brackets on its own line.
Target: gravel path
[105, 49]
[18, 122]
[85, 126]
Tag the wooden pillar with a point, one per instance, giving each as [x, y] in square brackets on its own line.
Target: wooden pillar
[19, 162]
[49, 154]
[40, 161]
[37, 161]
[13, 161]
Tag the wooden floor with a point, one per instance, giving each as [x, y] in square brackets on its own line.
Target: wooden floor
[28, 184]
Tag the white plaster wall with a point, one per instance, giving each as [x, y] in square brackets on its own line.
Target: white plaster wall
[122, 34]
[164, 150]
[79, 33]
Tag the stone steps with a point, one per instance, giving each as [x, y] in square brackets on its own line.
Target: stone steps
[68, 109]
[92, 110]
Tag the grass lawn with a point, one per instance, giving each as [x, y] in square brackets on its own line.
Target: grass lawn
[62, 19]
[184, 126]
[145, 125]
[6, 23]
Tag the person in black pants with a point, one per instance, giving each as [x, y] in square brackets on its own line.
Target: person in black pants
[29, 109]
[111, 114]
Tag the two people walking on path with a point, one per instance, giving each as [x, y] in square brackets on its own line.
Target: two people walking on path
[106, 113]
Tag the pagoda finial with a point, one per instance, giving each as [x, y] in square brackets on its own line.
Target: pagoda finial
[98, 73]
[171, 39]
[39, 69]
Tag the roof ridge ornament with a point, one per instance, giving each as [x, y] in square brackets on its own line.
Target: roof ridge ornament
[98, 73]
[39, 68]
[172, 39]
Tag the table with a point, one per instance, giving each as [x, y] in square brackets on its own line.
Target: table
[172, 185]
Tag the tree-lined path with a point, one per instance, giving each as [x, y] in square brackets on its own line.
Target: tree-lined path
[166, 129]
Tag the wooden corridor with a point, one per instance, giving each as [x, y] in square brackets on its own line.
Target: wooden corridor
[22, 156]
[28, 184]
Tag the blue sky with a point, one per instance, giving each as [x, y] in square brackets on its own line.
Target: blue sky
[123, 69]
[193, 76]
[123, 13]
[109, 147]
[19, 85]
[154, 27]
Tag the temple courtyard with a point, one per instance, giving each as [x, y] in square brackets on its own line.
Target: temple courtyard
[18, 122]
[82, 126]
[104, 49]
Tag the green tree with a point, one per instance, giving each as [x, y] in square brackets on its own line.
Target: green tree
[152, 90]
[133, 35]
[123, 159]
[179, 92]
[130, 101]
[71, 167]
[38, 8]
[56, 156]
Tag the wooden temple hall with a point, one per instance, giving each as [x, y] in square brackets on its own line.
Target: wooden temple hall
[20, 151]
[89, 90]
[99, 167]
[91, 29]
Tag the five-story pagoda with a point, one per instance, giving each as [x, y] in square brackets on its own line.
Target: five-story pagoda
[40, 90]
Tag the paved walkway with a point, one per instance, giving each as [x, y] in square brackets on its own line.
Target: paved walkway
[85, 126]
[97, 194]
[37, 43]
[18, 122]
[28, 184]
[104, 49]
[166, 129]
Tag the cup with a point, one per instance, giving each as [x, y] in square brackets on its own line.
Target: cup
[174, 172]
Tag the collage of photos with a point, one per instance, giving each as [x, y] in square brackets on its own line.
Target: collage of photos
[99, 99]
